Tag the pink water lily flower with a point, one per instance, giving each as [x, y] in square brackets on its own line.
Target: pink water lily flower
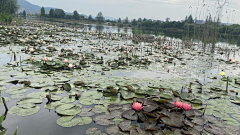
[45, 59]
[137, 106]
[186, 107]
[178, 104]
[31, 49]
[65, 61]
[70, 65]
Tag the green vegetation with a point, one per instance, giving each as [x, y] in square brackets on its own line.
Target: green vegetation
[5, 18]
[7, 9]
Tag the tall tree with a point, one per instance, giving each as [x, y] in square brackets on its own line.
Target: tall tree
[144, 19]
[8, 6]
[119, 20]
[24, 13]
[75, 15]
[139, 19]
[51, 13]
[90, 17]
[134, 22]
[42, 12]
[59, 13]
[186, 19]
[99, 17]
[190, 19]
[126, 20]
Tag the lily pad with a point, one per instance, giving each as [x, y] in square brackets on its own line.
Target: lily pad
[68, 121]
[68, 109]
[130, 114]
[23, 111]
[112, 129]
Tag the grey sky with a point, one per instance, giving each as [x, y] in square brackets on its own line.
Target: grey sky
[150, 9]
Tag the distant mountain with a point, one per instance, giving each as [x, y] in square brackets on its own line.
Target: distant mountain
[31, 8]
[35, 9]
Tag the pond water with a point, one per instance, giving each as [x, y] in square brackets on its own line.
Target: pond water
[107, 71]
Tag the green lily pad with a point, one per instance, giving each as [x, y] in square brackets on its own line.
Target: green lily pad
[23, 111]
[174, 119]
[112, 129]
[68, 109]
[68, 121]
[67, 100]
[187, 96]
[130, 114]
[85, 120]
[104, 120]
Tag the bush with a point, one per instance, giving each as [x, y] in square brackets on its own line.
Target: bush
[5, 18]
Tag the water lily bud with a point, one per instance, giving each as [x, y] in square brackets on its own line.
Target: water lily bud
[59, 54]
[45, 59]
[70, 65]
[31, 50]
[50, 46]
[32, 58]
[70, 49]
[77, 96]
[48, 96]
[65, 61]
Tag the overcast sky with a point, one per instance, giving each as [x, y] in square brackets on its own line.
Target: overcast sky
[150, 9]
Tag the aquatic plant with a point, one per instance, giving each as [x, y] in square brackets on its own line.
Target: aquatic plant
[222, 73]
[137, 106]
[186, 107]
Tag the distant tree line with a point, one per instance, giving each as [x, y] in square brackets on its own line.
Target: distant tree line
[60, 14]
[189, 24]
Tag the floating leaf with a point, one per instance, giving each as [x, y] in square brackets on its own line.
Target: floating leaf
[149, 106]
[68, 109]
[130, 114]
[68, 121]
[67, 100]
[187, 96]
[112, 129]
[29, 100]
[112, 107]
[150, 124]
[104, 120]
[24, 112]
[85, 121]
[174, 119]
[67, 86]
[125, 125]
